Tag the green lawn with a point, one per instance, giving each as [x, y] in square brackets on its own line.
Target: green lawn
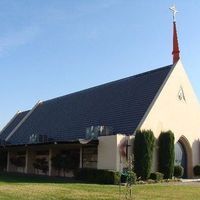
[21, 188]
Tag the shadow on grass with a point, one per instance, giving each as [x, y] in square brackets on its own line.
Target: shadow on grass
[25, 178]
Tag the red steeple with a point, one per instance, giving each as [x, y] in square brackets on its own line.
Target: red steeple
[176, 50]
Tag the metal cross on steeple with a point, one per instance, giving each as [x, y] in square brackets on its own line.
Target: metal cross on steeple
[176, 50]
[174, 11]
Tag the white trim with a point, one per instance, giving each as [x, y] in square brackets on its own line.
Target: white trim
[155, 98]
[22, 121]
[12, 119]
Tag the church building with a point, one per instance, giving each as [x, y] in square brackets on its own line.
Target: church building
[97, 125]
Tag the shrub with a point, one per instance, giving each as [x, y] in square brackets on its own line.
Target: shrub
[178, 171]
[123, 178]
[41, 164]
[66, 161]
[128, 177]
[131, 178]
[156, 176]
[166, 154]
[143, 153]
[98, 176]
[196, 170]
[18, 161]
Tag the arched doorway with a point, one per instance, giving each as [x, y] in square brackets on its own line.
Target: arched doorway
[183, 156]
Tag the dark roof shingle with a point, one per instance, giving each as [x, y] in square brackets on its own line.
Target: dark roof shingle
[12, 124]
[120, 104]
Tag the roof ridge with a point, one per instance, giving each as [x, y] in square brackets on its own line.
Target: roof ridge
[111, 82]
[10, 121]
[21, 121]
[21, 112]
[155, 97]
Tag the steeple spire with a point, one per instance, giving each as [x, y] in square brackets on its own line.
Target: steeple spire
[176, 50]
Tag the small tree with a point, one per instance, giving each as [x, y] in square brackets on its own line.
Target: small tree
[166, 154]
[143, 153]
[129, 177]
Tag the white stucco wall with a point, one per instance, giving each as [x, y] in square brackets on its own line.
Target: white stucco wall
[108, 152]
[169, 113]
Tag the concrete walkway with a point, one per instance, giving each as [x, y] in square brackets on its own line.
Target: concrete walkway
[189, 180]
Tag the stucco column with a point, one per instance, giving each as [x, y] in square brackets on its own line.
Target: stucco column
[108, 152]
[8, 162]
[30, 159]
[26, 162]
[50, 163]
[81, 157]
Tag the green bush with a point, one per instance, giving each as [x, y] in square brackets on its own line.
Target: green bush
[123, 178]
[131, 178]
[178, 171]
[156, 176]
[128, 177]
[41, 164]
[98, 176]
[196, 170]
[166, 154]
[143, 153]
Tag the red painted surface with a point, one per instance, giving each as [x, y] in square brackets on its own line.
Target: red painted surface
[176, 50]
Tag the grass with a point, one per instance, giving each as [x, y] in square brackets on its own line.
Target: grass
[31, 188]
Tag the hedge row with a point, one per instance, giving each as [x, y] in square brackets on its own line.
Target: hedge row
[156, 176]
[98, 176]
[143, 154]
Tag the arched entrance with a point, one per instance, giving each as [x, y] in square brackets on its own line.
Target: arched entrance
[183, 156]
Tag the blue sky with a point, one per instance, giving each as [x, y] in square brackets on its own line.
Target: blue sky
[50, 48]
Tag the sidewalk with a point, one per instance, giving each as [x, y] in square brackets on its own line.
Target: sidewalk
[189, 180]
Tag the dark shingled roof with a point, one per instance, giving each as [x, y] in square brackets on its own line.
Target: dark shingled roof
[12, 124]
[120, 104]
